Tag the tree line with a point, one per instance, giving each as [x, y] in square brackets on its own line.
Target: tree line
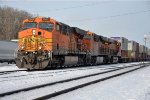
[10, 22]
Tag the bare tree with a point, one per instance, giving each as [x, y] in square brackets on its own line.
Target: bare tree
[10, 22]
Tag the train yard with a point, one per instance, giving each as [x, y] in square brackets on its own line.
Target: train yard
[78, 50]
[52, 83]
[52, 59]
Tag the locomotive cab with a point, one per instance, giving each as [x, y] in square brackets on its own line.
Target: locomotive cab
[35, 45]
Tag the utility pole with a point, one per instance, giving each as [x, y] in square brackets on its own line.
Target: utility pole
[146, 38]
[145, 47]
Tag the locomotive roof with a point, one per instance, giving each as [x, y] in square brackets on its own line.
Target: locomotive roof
[80, 31]
[105, 39]
[64, 24]
[96, 37]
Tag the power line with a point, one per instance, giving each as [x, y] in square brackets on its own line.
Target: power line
[96, 18]
[113, 16]
[73, 7]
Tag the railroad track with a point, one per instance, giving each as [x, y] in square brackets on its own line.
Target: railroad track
[11, 71]
[48, 73]
[78, 68]
[61, 87]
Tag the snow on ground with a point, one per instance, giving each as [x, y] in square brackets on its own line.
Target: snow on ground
[27, 81]
[12, 82]
[133, 86]
[8, 67]
[58, 87]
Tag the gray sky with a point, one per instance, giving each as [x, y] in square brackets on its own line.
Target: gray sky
[129, 19]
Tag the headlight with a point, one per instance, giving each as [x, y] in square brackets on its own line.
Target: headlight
[22, 47]
[40, 47]
[33, 32]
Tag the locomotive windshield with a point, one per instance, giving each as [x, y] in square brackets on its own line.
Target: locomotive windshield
[46, 26]
[29, 25]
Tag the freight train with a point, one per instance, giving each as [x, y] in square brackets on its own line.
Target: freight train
[45, 43]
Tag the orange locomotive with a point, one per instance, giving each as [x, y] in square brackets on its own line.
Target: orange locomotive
[45, 42]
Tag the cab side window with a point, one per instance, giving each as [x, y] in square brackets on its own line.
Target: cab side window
[57, 27]
[64, 29]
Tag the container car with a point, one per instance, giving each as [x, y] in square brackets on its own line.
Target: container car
[7, 51]
[133, 51]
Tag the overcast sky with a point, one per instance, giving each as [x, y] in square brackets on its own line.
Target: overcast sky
[129, 19]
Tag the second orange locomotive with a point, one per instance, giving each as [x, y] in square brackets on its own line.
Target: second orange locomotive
[45, 42]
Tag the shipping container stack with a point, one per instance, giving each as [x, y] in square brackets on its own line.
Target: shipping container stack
[142, 51]
[149, 54]
[146, 53]
[133, 51]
